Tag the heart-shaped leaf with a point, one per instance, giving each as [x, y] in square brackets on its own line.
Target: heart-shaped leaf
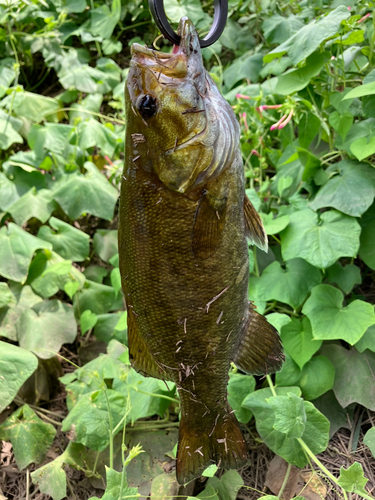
[341, 122]
[362, 147]
[290, 285]
[298, 341]
[331, 320]
[320, 241]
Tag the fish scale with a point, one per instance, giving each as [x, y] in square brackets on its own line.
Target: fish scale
[183, 251]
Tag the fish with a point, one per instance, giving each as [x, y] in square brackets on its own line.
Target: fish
[184, 226]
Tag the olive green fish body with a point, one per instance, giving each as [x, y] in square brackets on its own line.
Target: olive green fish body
[183, 249]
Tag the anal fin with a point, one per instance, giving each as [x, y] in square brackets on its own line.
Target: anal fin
[254, 226]
[208, 226]
[260, 351]
[140, 357]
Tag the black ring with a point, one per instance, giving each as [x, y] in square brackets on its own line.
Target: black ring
[220, 19]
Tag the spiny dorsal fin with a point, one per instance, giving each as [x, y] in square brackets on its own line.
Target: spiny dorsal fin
[254, 226]
[208, 226]
[260, 351]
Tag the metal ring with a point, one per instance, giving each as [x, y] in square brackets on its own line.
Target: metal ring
[220, 19]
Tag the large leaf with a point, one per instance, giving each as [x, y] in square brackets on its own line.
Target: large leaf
[348, 389]
[91, 134]
[38, 204]
[32, 106]
[16, 250]
[103, 20]
[367, 341]
[298, 341]
[31, 438]
[367, 248]
[105, 243]
[278, 28]
[8, 135]
[317, 377]
[315, 433]
[67, 241]
[247, 66]
[16, 366]
[308, 39]
[239, 386]
[298, 79]
[330, 320]
[290, 285]
[345, 277]
[99, 298]
[320, 240]
[227, 486]
[352, 191]
[90, 193]
[46, 327]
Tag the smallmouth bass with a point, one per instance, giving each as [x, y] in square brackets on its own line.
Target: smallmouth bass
[184, 224]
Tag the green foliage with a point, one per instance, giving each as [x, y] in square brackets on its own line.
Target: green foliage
[311, 178]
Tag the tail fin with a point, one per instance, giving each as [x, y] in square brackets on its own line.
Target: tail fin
[223, 444]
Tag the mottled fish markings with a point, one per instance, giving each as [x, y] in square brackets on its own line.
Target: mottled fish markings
[184, 220]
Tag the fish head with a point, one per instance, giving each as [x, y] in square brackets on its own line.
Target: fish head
[172, 104]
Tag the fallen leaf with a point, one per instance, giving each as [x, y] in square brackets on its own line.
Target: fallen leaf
[275, 477]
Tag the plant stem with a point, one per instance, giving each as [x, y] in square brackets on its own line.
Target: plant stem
[287, 474]
[270, 383]
[110, 429]
[320, 465]
[157, 395]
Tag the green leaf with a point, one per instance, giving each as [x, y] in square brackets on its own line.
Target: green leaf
[363, 147]
[99, 298]
[352, 191]
[91, 134]
[103, 20]
[330, 320]
[278, 320]
[317, 377]
[116, 279]
[8, 135]
[320, 241]
[290, 285]
[114, 481]
[6, 296]
[247, 66]
[38, 204]
[297, 79]
[308, 39]
[8, 191]
[95, 273]
[179, 8]
[227, 486]
[315, 434]
[70, 288]
[341, 123]
[308, 128]
[298, 341]
[31, 438]
[209, 493]
[367, 341]
[277, 29]
[369, 440]
[274, 226]
[348, 389]
[352, 479]
[106, 243]
[345, 277]
[361, 90]
[51, 478]
[67, 241]
[90, 193]
[32, 106]
[87, 321]
[16, 250]
[290, 374]
[239, 386]
[367, 248]
[46, 327]
[210, 471]
[338, 417]
[290, 415]
[16, 366]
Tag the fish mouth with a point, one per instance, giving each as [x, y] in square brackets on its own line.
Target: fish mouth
[174, 64]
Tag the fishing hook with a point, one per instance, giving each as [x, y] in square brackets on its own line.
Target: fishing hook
[220, 19]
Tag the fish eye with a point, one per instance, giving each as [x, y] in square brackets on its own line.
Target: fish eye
[146, 106]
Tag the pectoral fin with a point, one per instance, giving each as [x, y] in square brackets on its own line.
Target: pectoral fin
[208, 226]
[140, 357]
[260, 351]
[253, 226]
